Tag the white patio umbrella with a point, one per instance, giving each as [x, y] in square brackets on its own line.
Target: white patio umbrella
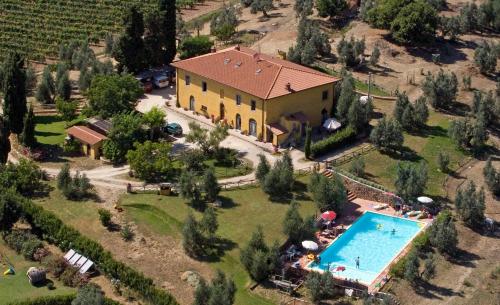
[425, 200]
[331, 124]
[310, 245]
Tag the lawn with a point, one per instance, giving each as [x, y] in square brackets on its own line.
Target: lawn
[17, 287]
[244, 210]
[427, 144]
[51, 129]
[221, 171]
[81, 215]
[360, 85]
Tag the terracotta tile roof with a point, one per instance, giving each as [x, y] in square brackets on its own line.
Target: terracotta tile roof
[86, 135]
[257, 74]
[277, 129]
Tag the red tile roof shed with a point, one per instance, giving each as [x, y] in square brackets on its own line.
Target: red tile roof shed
[86, 135]
[254, 73]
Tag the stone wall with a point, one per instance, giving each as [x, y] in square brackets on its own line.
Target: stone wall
[368, 192]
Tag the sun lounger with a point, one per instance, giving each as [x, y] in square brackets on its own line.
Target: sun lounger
[380, 206]
[414, 213]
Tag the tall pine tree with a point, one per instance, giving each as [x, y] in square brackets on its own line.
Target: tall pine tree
[28, 135]
[168, 12]
[14, 87]
[4, 141]
[130, 50]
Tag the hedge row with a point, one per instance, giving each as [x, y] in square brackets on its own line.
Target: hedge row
[52, 229]
[340, 138]
[57, 300]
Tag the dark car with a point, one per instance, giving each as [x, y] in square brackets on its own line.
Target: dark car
[173, 128]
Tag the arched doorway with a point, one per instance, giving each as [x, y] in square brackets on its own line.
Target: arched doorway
[222, 111]
[191, 103]
[324, 116]
[252, 127]
[238, 122]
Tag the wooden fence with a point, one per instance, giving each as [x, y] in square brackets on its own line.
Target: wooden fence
[344, 158]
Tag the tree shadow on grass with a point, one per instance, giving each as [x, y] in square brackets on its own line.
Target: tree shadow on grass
[432, 291]
[431, 131]
[46, 134]
[227, 203]
[403, 154]
[464, 258]
[216, 249]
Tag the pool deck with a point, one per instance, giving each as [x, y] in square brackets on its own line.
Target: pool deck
[353, 211]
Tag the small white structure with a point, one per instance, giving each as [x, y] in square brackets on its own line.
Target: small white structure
[36, 275]
[425, 200]
[364, 99]
[310, 245]
[78, 261]
[331, 124]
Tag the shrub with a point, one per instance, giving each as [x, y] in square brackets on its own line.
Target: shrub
[69, 276]
[342, 137]
[127, 232]
[23, 242]
[398, 268]
[105, 217]
[56, 265]
[422, 243]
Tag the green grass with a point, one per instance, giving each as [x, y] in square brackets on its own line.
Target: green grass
[244, 210]
[51, 130]
[222, 172]
[81, 215]
[360, 85]
[17, 287]
[427, 145]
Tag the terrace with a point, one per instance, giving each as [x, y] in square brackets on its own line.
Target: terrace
[298, 261]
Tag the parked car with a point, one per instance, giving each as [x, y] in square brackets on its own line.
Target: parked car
[173, 128]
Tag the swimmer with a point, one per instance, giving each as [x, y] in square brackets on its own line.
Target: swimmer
[393, 231]
[357, 262]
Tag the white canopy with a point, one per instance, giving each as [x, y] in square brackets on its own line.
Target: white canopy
[425, 200]
[310, 245]
[364, 99]
[331, 124]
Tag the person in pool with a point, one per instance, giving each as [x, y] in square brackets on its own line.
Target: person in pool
[357, 262]
[393, 231]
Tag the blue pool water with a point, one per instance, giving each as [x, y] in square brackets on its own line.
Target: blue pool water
[371, 238]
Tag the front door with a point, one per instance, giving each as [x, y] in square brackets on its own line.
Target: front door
[252, 127]
[238, 122]
[222, 111]
[191, 103]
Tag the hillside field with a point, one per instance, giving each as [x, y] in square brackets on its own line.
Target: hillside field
[37, 28]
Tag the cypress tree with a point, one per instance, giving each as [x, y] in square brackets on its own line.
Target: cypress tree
[4, 141]
[347, 95]
[28, 134]
[14, 88]
[262, 169]
[168, 12]
[130, 50]
[307, 147]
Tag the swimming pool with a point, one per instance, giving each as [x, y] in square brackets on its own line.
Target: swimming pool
[371, 238]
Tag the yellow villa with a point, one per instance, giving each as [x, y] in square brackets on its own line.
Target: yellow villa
[264, 97]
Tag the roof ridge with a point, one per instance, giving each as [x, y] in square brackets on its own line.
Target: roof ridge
[311, 72]
[96, 135]
[274, 82]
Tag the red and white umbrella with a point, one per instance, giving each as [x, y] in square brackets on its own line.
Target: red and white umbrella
[329, 215]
